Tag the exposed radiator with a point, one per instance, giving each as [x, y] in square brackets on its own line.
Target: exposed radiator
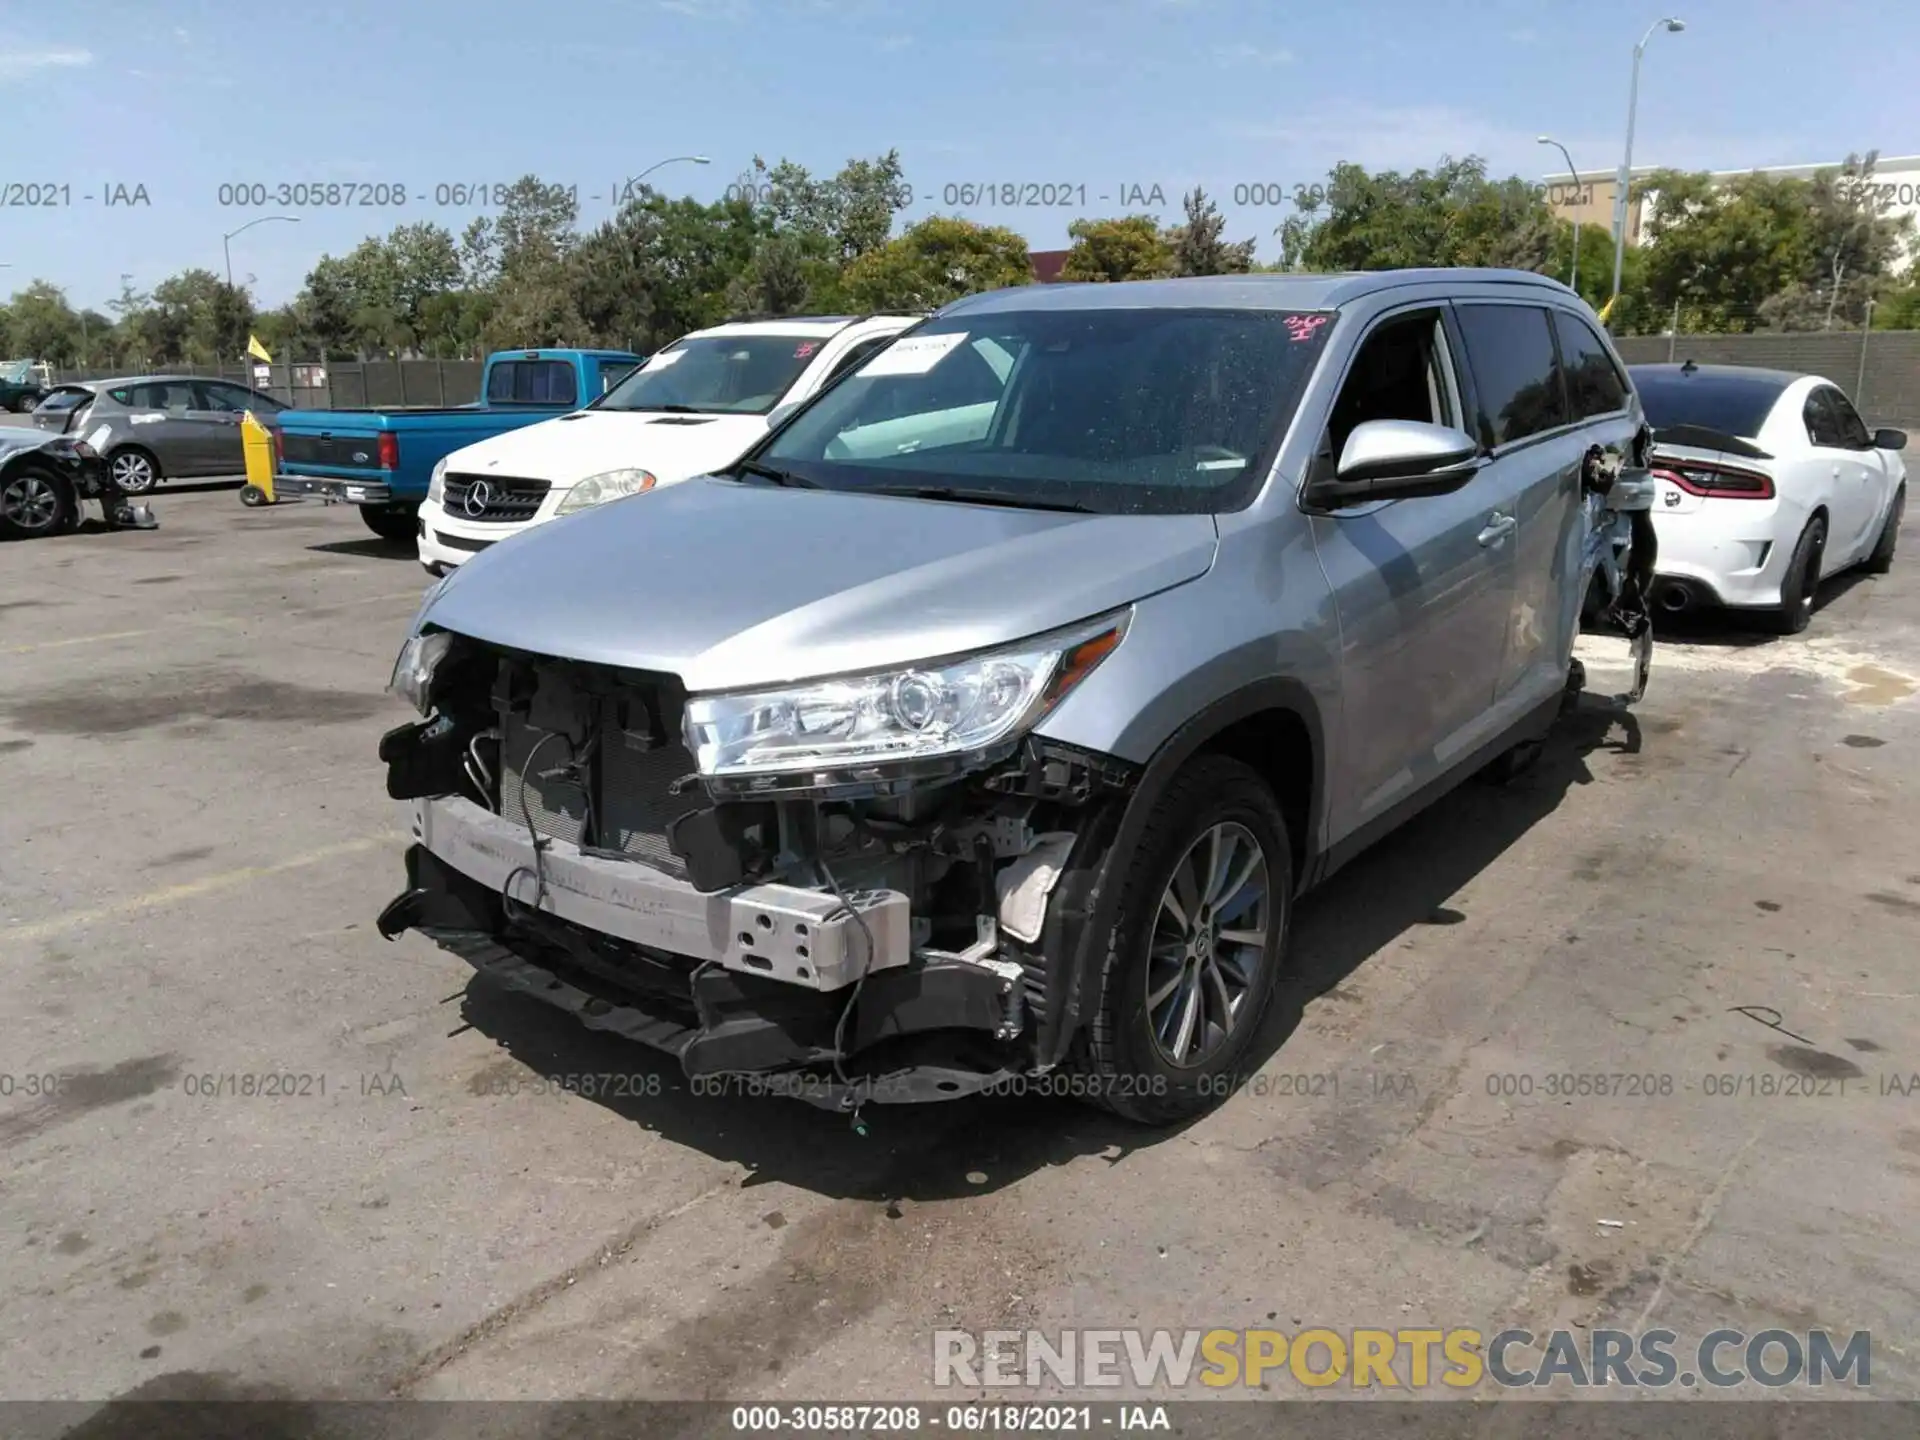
[630, 780]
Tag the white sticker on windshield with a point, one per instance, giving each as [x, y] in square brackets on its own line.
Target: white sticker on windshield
[98, 439]
[914, 355]
[662, 360]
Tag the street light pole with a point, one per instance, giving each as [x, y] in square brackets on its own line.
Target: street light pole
[1625, 179]
[671, 160]
[226, 240]
[1573, 278]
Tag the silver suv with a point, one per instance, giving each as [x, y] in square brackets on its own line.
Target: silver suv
[979, 728]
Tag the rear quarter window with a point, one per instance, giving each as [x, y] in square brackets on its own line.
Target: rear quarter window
[1595, 385]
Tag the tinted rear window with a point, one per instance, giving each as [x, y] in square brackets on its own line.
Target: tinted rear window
[1733, 404]
[532, 382]
[1516, 373]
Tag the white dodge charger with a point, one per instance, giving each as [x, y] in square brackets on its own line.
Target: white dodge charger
[1769, 483]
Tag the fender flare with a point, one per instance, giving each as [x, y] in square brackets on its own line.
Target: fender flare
[1086, 903]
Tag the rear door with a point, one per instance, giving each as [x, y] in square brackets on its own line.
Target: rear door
[1523, 420]
[1422, 586]
[163, 418]
[1855, 474]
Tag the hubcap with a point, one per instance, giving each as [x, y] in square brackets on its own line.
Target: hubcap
[30, 503]
[1209, 941]
[132, 472]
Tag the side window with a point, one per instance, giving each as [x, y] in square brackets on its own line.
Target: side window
[612, 372]
[175, 398]
[1515, 371]
[1853, 430]
[1823, 423]
[857, 352]
[1594, 385]
[1400, 373]
[221, 397]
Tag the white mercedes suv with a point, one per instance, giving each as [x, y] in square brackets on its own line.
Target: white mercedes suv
[692, 408]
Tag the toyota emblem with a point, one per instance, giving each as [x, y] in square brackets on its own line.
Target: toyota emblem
[479, 496]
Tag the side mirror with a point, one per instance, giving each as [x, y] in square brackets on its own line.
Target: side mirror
[1396, 460]
[1889, 439]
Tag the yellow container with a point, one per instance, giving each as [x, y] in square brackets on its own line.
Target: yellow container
[257, 443]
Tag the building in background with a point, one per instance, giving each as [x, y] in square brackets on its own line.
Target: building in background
[1047, 264]
[1588, 196]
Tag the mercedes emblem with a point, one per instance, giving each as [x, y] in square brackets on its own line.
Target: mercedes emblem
[479, 496]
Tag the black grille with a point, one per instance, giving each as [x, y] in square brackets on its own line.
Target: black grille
[502, 499]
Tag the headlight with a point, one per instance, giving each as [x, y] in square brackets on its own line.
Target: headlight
[437, 486]
[608, 485]
[412, 677]
[866, 728]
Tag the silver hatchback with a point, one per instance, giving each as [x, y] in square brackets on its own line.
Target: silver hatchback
[157, 427]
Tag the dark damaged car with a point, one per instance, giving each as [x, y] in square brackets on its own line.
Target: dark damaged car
[985, 720]
[43, 481]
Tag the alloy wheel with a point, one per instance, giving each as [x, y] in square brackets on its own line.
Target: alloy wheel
[30, 503]
[1209, 941]
[133, 473]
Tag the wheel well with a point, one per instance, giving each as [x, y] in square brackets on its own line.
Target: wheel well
[1278, 744]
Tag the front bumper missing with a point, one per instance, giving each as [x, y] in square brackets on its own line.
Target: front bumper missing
[782, 932]
[776, 1014]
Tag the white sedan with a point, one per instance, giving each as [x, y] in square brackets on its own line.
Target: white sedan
[1769, 483]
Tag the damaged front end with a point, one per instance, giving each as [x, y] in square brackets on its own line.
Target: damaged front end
[1617, 492]
[861, 918]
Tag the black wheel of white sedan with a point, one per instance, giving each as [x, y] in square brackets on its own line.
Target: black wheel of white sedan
[33, 504]
[134, 471]
[1199, 942]
[1881, 560]
[1801, 583]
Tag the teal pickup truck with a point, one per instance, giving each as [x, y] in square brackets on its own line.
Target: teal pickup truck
[382, 460]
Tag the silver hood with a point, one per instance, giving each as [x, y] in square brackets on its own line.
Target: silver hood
[733, 586]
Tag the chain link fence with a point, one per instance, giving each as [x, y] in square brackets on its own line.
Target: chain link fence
[335, 384]
[1879, 369]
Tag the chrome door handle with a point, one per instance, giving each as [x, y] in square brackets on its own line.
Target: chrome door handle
[1498, 528]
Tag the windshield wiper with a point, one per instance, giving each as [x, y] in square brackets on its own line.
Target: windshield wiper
[778, 477]
[981, 497]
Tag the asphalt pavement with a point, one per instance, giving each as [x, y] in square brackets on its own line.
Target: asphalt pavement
[195, 843]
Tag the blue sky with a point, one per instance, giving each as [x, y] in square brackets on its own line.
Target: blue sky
[182, 96]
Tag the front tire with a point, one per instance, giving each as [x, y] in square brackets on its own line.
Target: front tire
[1801, 584]
[134, 470]
[1207, 896]
[392, 523]
[1881, 560]
[34, 504]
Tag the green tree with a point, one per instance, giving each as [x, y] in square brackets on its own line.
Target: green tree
[41, 325]
[937, 261]
[1450, 215]
[522, 256]
[839, 219]
[1133, 248]
[1197, 245]
[196, 317]
[663, 267]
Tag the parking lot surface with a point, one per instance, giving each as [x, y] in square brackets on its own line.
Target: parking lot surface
[196, 840]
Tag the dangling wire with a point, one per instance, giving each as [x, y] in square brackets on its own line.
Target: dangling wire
[846, 1011]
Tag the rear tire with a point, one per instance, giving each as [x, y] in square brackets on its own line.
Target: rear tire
[35, 504]
[135, 470]
[1183, 991]
[392, 523]
[1801, 584]
[1881, 560]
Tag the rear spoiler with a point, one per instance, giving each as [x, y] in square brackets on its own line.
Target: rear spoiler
[1700, 437]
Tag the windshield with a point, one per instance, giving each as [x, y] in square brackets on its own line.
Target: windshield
[717, 375]
[1732, 404]
[1112, 410]
[15, 372]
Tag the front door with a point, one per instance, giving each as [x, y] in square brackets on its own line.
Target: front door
[1423, 586]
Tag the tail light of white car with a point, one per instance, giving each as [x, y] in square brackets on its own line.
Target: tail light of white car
[1716, 482]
